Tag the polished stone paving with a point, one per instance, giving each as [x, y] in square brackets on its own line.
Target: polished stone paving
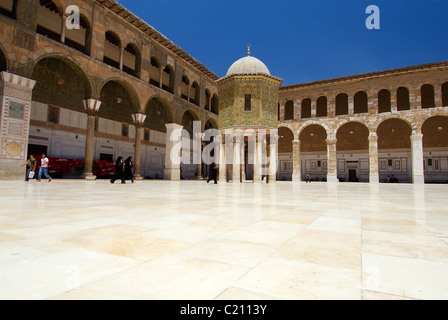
[74, 239]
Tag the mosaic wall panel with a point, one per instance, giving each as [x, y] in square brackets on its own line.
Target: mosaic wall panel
[263, 107]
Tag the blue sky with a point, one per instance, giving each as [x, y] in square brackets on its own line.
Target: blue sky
[302, 41]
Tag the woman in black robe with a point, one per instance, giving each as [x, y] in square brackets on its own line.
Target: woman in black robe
[213, 175]
[128, 165]
[119, 173]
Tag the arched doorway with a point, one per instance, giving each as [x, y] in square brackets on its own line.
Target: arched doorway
[435, 149]
[189, 169]
[313, 152]
[353, 152]
[285, 156]
[394, 151]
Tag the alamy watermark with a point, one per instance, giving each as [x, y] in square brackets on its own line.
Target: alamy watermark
[73, 20]
[237, 146]
[373, 20]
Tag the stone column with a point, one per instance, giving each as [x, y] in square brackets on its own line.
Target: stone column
[331, 161]
[236, 165]
[373, 158]
[63, 28]
[273, 155]
[91, 106]
[297, 162]
[222, 166]
[418, 176]
[121, 57]
[197, 153]
[139, 119]
[258, 154]
[351, 105]
[172, 151]
[15, 109]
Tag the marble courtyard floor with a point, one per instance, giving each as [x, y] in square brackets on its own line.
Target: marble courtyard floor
[74, 239]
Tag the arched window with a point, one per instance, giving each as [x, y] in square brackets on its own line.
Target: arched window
[184, 87]
[9, 8]
[403, 99]
[168, 79]
[428, 99]
[79, 38]
[384, 104]
[112, 49]
[321, 107]
[154, 72]
[215, 104]
[207, 99]
[360, 102]
[194, 93]
[341, 104]
[306, 109]
[289, 110]
[131, 60]
[445, 94]
[49, 21]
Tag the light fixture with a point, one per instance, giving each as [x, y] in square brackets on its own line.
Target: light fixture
[351, 132]
[440, 129]
[60, 81]
[393, 130]
[119, 100]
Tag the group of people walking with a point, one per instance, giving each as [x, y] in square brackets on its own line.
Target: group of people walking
[123, 170]
[32, 167]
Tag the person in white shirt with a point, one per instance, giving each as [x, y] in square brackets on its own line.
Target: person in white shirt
[44, 163]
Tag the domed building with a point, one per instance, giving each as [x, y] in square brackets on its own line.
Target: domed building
[248, 115]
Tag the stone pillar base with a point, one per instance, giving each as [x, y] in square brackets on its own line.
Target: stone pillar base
[89, 176]
[171, 174]
[418, 179]
[296, 177]
[332, 178]
[138, 178]
[374, 179]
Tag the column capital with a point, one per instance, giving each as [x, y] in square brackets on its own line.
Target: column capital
[138, 118]
[91, 106]
[373, 138]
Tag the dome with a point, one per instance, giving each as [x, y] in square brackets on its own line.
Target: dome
[248, 65]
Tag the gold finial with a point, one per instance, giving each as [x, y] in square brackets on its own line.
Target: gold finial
[248, 49]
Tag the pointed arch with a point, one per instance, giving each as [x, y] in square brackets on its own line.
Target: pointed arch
[118, 100]
[60, 81]
[158, 113]
[132, 60]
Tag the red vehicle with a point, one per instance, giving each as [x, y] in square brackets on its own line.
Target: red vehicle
[61, 166]
[103, 169]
